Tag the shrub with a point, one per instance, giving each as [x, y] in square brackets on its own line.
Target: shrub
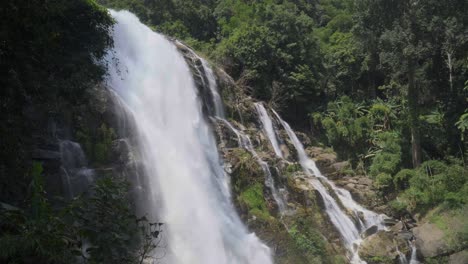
[388, 158]
[432, 183]
[402, 178]
[383, 181]
[100, 228]
[309, 240]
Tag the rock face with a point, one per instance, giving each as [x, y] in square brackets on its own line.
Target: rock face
[361, 189]
[383, 247]
[430, 240]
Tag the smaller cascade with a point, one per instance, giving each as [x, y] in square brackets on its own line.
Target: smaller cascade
[401, 256]
[350, 233]
[217, 101]
[245, 142]
[206, 76]
[268, 128]
[76, 176]
[414, 254]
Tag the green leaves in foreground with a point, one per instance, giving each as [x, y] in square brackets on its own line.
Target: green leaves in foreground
[97, 228]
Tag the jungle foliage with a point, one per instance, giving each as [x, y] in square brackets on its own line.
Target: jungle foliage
[97, 227]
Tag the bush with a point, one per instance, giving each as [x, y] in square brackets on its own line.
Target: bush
[402, 178]
[433, 183]
[346, 127]
[388, 158]
[253, 199]
[383, 181]
[308, 240]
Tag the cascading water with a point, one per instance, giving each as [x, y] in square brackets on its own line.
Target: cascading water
[268, 128]
[178, 150]
[217, 101]
[401, 256]
[76, 176]
[246, 143]
[342, 222]
[210, 77]
[267, 125]
[414, 254]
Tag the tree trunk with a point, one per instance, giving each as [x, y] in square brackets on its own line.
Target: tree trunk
[414, 121]
[371, 75]
[450, 67]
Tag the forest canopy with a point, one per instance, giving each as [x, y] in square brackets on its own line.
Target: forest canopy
[385, 83]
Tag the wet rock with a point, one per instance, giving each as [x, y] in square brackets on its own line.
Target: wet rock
[370, 231]
[323, 159]
[430, 240]
[361, 193]
[390, 222]
[121, 151]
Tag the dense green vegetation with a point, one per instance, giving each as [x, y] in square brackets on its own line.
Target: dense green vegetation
[48, 63]
[96, 228]
[383, 82]
[48, 52]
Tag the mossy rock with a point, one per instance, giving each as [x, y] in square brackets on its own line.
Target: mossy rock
[382, 248]
[253, 200]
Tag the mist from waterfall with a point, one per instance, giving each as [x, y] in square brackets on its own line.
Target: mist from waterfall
[190, 191]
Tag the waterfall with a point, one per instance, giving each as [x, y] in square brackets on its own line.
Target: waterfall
[76, 176]
[210, 77]
[246, 143]
[414, 254]
[340, 219]
[217, 101]
[268, 128]
[401, 256]
[178, 151]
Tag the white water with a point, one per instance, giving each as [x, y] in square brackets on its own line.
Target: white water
[210, 76]
[217, 101]
[342, 222]
[414, 254]
[76, 176]
[245, 142]
[401, 256]
[178, 151]
[268, 128]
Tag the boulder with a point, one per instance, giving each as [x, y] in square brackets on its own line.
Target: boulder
[404, 234]
[324, 162]
[370, 231]
[430, 240]
[390, 222]
[397, 227]
[384, 246]
[459, 257]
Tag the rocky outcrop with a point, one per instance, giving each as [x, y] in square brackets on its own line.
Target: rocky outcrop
[459, 258]
[383, 247]
[362, 190]
[430, 240]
